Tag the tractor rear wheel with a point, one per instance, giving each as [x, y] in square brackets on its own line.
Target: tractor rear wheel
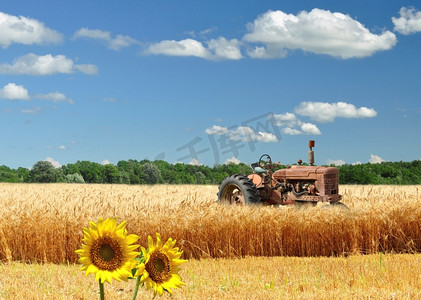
[238, 190]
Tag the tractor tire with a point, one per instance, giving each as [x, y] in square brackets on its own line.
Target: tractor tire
[238, 190]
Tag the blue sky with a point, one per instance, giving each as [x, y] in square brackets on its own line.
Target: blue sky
[209, 82]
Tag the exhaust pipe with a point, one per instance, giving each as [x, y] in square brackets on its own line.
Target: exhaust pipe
[311, 144]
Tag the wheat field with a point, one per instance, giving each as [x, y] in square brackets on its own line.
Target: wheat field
[43, 222]
[251, 252]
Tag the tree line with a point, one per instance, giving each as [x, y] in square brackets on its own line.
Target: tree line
[162, 172]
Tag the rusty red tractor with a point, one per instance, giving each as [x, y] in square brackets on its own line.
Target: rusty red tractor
[297, 184]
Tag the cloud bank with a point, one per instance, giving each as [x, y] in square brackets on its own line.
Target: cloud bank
[243, 134]
[21, 30]
[321, 112]
[275, 34]
[114, 43]
[409, 21]
[324, 112]
[32, 64]
[217, 49]
[318, 31]
[12, 91]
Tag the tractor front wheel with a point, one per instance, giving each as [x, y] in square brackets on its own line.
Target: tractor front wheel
[238, 190]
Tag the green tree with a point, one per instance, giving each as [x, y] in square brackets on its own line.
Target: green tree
[74, 178]
[7, 174]
[151, 173]
[91, 171]
[22, 174]
[44, 172]
[111, 174]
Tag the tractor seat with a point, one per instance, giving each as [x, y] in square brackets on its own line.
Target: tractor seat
[258, 169]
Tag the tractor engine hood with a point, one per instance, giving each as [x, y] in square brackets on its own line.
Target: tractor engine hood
[304, 172]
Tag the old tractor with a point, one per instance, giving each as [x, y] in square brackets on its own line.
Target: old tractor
[297, 184]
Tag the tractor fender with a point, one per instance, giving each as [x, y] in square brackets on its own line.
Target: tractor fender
[257, 179]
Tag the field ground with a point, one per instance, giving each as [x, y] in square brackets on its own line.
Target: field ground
[234, 252]
[379, 276]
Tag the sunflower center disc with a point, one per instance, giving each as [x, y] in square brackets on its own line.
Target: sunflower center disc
[106, 252]
[159, 267]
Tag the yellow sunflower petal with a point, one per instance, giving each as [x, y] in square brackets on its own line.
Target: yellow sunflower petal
[150, 284]
[132, 238]
[176, 281]
[93, 226]
[158, 241]
[98, 275]
[144, 252]
[168, 244]
[122, 225]
[159, 289]
[140, 269]
[177, 262]
[91, 269]
[108, 276]
[145, 276]
[150, 243]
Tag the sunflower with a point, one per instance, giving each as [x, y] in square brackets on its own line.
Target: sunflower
[107, 250]
[161, 265]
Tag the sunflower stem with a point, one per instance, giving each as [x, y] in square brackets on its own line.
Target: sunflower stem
[101, 290]
[136, 287]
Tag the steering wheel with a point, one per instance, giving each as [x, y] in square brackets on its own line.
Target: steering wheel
[265, 161]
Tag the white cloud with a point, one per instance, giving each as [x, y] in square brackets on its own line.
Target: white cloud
[216, 130]
[55, 163]
[225, 49]
[87, 69]
[291, 131]
[105, 162]
[289, 121]
[92, 34]
[318, 31]
[61, 147]
[286, 119]
[117, 43]
[25, 31]
[217, 49]
[187, 47]
[308, 128]
[375, 159]
[327, 112]
[55, 97]
[408, 22]
[232, 160]
[336, 162]
[357, 163]
[122, 41]
[243, 134]
[195, 162]
[247, 134]
[32, 64]
[35, 110]
[267, 53]
[12, 91]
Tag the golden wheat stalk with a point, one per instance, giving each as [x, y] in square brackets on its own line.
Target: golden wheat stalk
[42, 222]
